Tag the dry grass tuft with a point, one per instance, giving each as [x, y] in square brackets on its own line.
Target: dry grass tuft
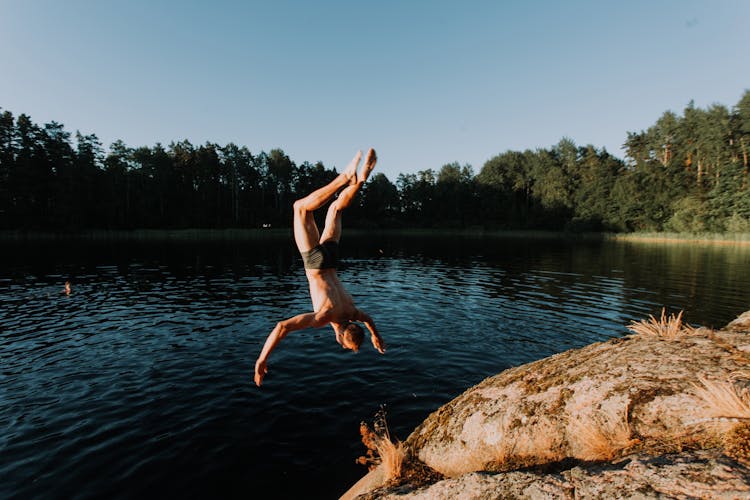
[381, 449]
[737, 442]
[601, 437]
[723, 400]
[728, 405]
[536, 445]
[668, 328]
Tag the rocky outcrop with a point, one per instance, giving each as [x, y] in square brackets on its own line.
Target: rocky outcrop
[698, 474]
[645, 413]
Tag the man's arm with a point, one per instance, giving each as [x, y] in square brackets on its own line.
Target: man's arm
[377, 340]
[299, 322]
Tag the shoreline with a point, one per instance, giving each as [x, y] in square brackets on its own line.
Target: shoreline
[239, 234]
[102, 235]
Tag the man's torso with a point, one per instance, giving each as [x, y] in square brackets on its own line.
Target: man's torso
[328, 295]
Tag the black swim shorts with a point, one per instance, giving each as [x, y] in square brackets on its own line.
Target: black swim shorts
[323, 256]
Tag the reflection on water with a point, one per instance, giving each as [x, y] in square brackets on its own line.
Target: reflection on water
[140, 380]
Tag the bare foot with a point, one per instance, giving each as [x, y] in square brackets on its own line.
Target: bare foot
[370, 160]
[350, 172]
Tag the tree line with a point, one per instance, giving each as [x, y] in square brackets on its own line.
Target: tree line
[685, 173]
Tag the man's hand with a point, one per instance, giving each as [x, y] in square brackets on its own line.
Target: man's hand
[378, 343]
[280, 331]
[260, 371]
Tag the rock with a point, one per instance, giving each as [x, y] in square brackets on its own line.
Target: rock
[487, 485]
[369, 482]
[699, 474]
[655, 400]
[589, 404]
[741, 323]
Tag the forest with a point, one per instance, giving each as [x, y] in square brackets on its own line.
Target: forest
[686, 173]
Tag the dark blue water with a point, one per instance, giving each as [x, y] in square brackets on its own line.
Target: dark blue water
[139, 383]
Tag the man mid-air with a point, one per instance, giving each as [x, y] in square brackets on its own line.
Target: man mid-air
[332, 304]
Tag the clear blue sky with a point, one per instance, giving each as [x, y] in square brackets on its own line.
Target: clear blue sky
[424, 82]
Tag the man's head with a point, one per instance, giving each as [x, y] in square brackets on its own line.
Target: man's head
[351, 336]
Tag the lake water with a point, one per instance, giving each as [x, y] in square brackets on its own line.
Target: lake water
[139, 382]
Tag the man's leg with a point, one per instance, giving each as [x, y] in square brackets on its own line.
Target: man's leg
[306, 233]
[332, 229]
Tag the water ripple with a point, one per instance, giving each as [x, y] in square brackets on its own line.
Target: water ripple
[140, 381]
